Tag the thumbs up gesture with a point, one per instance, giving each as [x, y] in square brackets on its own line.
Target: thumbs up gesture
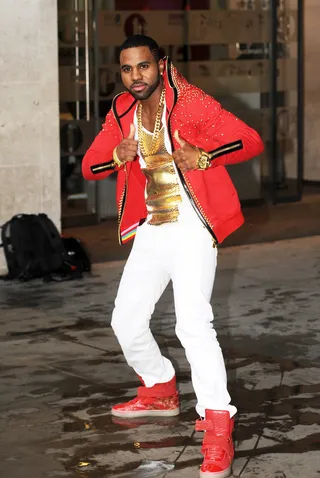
[186, 157]
[128, 148]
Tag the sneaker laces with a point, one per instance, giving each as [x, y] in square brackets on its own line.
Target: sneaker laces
[214, 453]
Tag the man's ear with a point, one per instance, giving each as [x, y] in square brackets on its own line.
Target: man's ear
[161, 66]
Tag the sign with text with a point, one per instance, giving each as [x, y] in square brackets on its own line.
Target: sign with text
[241, 76]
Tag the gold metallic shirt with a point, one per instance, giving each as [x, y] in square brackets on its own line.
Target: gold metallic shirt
[162, 190]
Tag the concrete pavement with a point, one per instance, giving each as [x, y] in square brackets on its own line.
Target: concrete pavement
[61, 370]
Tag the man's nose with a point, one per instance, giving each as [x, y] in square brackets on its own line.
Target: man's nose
[136, 74]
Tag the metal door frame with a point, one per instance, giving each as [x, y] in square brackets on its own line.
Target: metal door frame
[274, 196]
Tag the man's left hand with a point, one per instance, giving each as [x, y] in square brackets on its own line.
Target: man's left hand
[186, 157]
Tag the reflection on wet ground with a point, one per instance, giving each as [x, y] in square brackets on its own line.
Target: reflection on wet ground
[279, 418]
[61, 370]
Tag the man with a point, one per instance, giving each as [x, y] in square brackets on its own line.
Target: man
[169, 143]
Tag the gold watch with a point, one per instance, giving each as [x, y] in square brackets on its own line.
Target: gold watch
[203, 159]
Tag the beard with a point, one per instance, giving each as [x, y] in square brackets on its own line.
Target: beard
[144, 95]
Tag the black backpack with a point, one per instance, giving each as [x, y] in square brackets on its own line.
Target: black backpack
[34, 248]
[77, 254]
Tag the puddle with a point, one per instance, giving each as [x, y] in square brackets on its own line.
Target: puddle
[149, 469]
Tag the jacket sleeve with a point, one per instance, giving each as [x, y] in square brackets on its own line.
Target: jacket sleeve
[226, 137]
[98, 161]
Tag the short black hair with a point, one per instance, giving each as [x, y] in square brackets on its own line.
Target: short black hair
[142, 40]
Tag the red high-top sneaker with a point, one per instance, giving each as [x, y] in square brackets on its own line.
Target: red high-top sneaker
[217, 446]
[161, 400]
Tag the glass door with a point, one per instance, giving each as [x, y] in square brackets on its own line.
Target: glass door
[83, 101]
[245, 53]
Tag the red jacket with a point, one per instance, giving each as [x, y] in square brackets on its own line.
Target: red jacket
[202, 122]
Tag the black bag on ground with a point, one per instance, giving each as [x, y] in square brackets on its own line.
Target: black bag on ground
[34, 248]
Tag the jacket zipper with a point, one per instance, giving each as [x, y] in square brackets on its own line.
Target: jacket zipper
[198, 208]
[186, 183]
[123, 197]
[122, 205]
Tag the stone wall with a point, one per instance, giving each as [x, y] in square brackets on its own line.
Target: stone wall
[29, 114]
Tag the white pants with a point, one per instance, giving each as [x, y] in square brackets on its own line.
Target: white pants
[185, 255]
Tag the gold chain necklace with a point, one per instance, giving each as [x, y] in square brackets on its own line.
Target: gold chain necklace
[156, 130]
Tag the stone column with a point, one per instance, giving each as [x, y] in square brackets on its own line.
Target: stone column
[29, 113]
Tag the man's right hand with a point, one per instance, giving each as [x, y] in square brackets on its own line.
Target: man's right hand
[128, 148]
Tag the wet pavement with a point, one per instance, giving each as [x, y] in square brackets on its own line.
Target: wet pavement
[61, 370]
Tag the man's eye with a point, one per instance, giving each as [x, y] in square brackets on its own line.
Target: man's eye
[144, 67]
[126, 70]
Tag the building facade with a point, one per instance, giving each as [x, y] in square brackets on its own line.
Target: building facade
[60, 72]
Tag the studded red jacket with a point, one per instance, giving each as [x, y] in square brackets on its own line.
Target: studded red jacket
[202, 122]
